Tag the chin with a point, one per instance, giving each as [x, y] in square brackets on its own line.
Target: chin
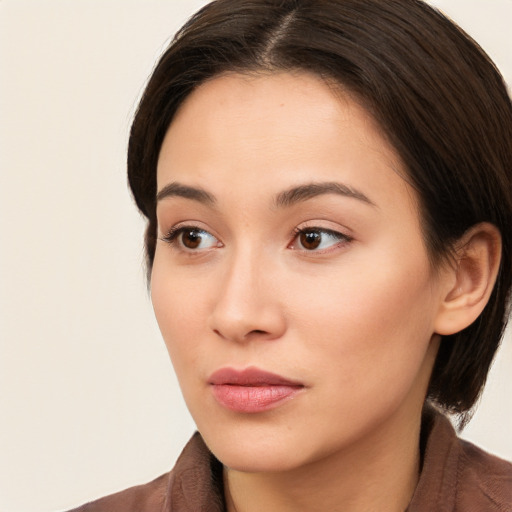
[255, 447]
[254, 459]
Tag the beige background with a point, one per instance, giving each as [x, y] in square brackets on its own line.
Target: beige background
[88, 401]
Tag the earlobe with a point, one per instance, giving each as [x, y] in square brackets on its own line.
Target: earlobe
[471, 279]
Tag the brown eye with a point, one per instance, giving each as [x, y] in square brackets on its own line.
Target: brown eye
[191, 238]
[310, 240]
[317, 239]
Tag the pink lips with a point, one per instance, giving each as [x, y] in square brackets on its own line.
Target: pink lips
[251, 390]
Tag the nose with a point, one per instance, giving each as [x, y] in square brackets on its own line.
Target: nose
[246, 304]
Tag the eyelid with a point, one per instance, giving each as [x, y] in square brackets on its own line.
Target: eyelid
[176, 225]
[173, 234]
[342, 237]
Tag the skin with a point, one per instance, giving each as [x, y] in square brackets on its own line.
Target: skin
[353, 320]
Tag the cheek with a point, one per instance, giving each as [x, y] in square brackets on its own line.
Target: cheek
[369, 320]
[177, 308]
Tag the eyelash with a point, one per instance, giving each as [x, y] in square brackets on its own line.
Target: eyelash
[341, 238]
[172, 238]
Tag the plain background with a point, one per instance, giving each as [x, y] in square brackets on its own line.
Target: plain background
[88, 400]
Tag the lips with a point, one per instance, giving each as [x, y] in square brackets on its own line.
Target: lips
[251, 390]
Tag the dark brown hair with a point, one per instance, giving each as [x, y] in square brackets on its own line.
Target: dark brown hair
[437, 96]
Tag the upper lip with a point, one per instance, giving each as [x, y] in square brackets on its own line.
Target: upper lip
[251, 376]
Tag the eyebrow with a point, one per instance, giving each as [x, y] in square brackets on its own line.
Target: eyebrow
[179, 190]
[284, 199]
[308, 191]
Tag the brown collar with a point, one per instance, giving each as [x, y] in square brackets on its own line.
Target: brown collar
[455, 475]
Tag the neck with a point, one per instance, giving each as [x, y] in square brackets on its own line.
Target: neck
[380, 473]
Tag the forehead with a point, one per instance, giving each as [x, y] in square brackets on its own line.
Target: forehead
[292, 102]
[270, 129]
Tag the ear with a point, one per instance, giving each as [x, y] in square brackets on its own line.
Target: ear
[470, 281]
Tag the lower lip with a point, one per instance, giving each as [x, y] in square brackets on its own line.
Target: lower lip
[252, 399]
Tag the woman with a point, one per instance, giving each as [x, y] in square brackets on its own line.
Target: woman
[328, 193]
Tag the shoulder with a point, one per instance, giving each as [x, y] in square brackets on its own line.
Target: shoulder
[485, 476]
[149, 497]
[195, 484]
[457, 476]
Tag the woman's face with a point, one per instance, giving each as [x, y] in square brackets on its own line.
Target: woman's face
[290, 281]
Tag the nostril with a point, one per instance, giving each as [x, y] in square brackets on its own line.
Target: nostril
[249, 335]
[256, 334]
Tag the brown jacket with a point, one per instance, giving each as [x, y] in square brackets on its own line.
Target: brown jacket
[456, 477]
